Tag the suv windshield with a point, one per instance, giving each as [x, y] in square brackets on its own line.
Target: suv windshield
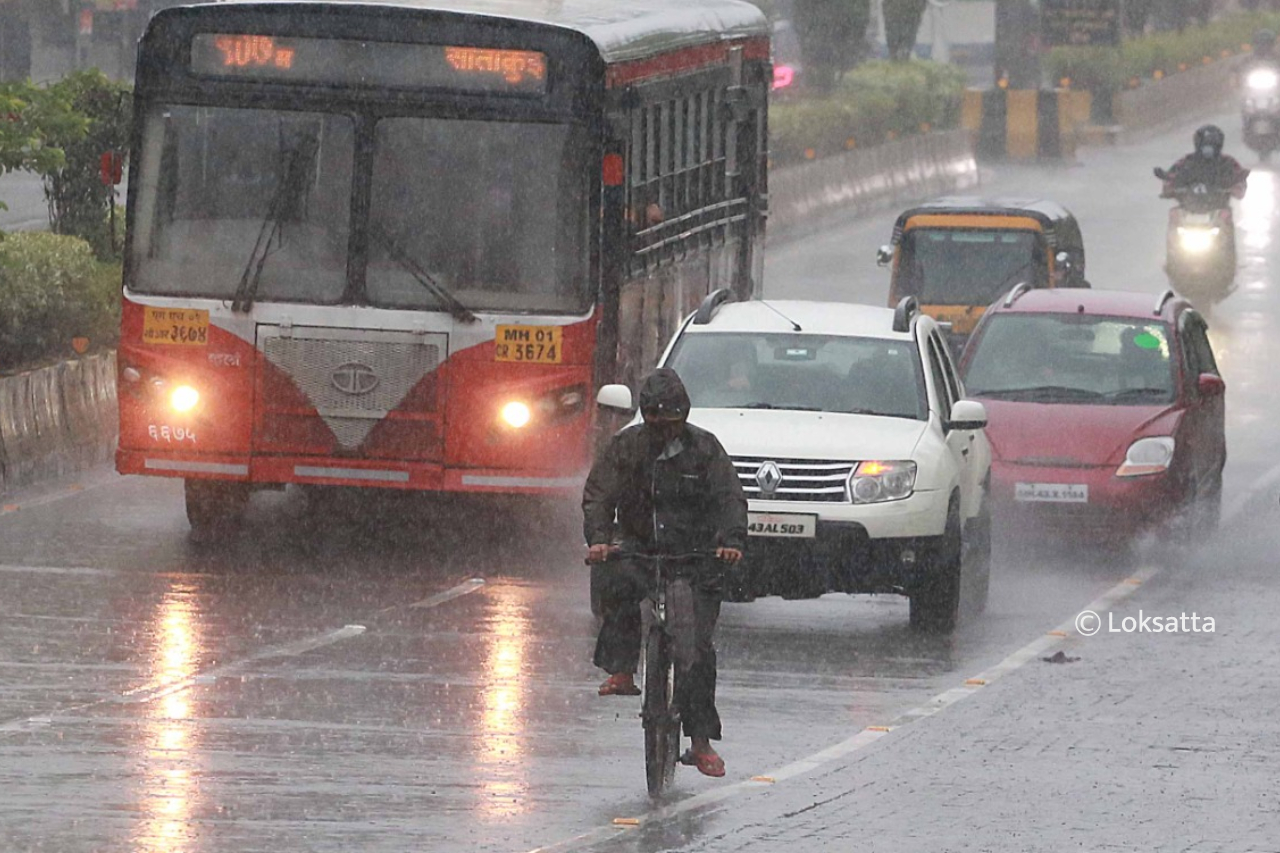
[945, 266]
[801, 372]
[1071, 358]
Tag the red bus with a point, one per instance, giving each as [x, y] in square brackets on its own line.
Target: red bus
[401, 244]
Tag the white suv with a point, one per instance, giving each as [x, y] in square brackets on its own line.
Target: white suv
[865, 469]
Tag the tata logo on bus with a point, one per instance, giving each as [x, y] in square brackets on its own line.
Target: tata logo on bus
[354, 378]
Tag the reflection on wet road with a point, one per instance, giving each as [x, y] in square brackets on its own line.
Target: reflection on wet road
[395, 673]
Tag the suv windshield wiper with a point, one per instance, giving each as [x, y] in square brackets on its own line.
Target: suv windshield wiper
[301, 159]
[421, 276]
[878, 414]
[1040, 393]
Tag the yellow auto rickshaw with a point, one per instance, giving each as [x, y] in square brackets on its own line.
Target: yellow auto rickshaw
[958, 255]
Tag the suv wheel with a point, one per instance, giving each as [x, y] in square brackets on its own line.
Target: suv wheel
[935, 606]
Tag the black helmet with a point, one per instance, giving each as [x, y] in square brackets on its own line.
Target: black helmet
[1209, 141]
[1264, 41]
[663, 395]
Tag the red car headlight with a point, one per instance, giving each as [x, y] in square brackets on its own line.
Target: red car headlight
[1147, 456]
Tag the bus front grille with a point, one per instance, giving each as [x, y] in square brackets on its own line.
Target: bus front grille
[352, 378]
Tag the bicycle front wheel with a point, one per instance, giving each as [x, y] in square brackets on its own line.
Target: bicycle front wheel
[660, 717]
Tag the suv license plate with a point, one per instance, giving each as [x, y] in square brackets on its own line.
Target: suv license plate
[782, 525]
[1066, 493]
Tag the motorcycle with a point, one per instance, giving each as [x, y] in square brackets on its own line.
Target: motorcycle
[1201, 251]
[1260, 110]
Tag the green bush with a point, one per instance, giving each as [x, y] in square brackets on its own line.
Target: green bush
[1109, 69]
[53, 289]
[873, 103]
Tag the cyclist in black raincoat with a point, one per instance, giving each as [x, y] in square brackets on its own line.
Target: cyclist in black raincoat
[674, 490]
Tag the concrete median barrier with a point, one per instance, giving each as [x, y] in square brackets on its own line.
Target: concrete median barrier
[57, 420]
[806, 196]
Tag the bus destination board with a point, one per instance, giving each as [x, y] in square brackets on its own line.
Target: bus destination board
[346, 62]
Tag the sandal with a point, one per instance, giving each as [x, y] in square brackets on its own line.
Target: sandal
[708, 763]
[619, 684]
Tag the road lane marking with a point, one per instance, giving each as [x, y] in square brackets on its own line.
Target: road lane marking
[869, 735]
[59, 570]
[464, 588]
[151, 692]
[69, 491]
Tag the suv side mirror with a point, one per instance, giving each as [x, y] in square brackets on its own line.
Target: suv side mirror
[884, 256]
[615, 397]
[967, 414]
[1211, 385]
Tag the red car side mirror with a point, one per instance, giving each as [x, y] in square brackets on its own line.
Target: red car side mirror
[1211, 385]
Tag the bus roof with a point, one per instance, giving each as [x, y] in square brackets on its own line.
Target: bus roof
[622, 30]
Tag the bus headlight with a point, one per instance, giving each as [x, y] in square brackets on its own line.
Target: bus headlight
[184, 399]
[516, 414]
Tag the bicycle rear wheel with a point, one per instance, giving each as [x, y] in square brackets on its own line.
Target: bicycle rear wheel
[661, 720]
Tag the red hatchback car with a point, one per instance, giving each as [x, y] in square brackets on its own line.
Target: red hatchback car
[1106, 413]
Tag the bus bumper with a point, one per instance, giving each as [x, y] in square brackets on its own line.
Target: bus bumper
[328, 471]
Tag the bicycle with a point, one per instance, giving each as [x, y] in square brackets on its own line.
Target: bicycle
[667, 637]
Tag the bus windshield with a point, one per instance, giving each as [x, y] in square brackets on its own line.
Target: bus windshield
[462, 214]
[493, 212]
[212, 180]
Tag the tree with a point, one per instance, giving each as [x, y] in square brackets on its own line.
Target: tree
[80, 202]
[901, 23]
[832, 34]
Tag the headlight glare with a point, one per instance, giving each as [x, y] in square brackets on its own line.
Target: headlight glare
[184, 398]
[1263, 79]
[1197, 240]
[875, 482]
[1147, 456]
[516, 414]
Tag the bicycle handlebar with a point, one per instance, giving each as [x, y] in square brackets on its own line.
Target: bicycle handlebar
[640, 555]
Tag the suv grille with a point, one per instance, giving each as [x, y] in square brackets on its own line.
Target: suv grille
[802, 479]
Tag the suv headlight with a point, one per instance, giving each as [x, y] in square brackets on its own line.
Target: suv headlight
[1147, 456]
[876, 482]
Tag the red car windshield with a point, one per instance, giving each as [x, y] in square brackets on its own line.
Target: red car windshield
[1070, 358]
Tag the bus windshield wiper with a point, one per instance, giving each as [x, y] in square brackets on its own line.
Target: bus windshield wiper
[301, 160]
[420, 275]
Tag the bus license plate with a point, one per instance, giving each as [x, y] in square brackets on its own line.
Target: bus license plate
[782, 525]
[176, 326]
[531, 344]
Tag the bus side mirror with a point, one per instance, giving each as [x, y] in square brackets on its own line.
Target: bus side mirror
[884, 256]
[615, 397]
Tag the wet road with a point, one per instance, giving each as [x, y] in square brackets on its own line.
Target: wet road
[409, 674]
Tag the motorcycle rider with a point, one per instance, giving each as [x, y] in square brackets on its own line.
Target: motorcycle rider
[1207, 165]
[664, 486]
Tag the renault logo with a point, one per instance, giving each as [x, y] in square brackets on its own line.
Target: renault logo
[355, 378]
[769, 478]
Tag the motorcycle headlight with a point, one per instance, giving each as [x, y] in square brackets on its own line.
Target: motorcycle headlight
[1197, 240]
[1263, 79]
[875, 482]
[1147, 456]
